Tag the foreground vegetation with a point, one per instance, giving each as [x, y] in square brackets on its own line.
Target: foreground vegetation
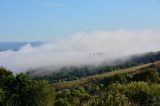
[20, 90]
[138, 88]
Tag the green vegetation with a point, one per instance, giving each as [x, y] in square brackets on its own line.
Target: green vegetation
[20, 90]
[100, 77]
[74, 73]
[134, 86]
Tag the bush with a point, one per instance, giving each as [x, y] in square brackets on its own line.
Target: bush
[139, 93]
[2, 97]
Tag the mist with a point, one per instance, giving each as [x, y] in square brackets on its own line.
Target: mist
[83, 48]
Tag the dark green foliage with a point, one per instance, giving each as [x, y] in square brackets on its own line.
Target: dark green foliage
[71, 73]
[2, 97]
[42, 94]
[62, 102]
[149, 74]
[139, 93]
[20, 90]
[4, 74]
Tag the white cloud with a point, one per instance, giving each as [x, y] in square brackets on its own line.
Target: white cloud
[84, 48]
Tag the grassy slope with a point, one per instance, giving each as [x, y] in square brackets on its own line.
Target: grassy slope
[85, 80]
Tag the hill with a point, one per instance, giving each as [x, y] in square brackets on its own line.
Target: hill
[135, 86]
[96, 78]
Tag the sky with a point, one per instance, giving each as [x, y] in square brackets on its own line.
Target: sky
[77, 32]
[45, 20]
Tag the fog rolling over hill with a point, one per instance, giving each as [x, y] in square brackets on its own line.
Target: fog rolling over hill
[16, 45]
[83, 48]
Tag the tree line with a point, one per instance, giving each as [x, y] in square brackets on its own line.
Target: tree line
[74, 73]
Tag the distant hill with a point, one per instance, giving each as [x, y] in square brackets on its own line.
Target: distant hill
[85, 80]
[16, 45]
[100, 77]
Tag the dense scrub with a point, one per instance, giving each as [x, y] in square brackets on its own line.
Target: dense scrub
[129, 89]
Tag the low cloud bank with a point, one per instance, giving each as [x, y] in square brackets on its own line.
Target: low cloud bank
[85, 48]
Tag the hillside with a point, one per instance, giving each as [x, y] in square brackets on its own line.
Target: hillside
[95, 78]
[70, 73]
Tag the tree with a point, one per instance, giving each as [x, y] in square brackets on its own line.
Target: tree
[2, 97]
[4, 74]
[23, 91]
[43, 93]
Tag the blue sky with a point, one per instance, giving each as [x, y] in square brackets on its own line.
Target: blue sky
[44, 20]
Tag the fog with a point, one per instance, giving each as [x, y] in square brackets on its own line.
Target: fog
[83, 48]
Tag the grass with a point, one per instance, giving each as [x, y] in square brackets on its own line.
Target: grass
[83, 81]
